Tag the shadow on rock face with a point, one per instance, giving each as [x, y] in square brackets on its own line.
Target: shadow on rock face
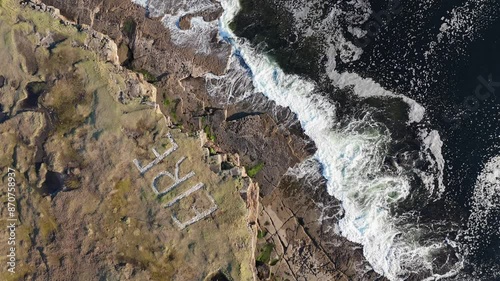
[3, 116]
[34, 91]
[241, 115]
[53, 184]
[219, 276]
[263, 270]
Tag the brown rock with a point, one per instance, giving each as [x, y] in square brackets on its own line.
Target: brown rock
[293, 217]
[27, 51]
[123, 53]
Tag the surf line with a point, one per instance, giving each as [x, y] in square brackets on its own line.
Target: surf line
[351, 157]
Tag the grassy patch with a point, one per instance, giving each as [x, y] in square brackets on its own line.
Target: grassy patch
[70, 102]
[210, 134]
[72, 182]
[171, 106]
[148, 76]
[119, 197]
[265, 253]
[123, 186]
[129, 27]
[167, 102]
[261, 234]
[173, 110]
[253, 171]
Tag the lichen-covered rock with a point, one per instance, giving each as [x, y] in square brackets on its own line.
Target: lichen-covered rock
[103, 45]
[254, 129]
[86, 210]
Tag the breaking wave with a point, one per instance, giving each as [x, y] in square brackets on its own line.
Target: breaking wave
[201, 26]
[353, 155]
[232, 87]
[352, 158]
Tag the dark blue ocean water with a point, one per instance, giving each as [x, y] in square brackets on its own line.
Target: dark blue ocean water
[443, 54]
[461, 95]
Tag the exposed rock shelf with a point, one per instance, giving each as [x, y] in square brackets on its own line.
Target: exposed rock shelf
[74, 121]
[97, 48]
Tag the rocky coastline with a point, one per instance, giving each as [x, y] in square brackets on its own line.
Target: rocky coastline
[291, 220]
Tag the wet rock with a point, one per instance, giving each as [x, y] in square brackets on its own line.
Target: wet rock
[185, 22]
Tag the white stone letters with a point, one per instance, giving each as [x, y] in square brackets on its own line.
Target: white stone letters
[177, 181]
[158, 156]
[199, 215]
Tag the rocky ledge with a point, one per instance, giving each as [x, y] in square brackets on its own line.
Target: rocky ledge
[105, 188]
[289, 236]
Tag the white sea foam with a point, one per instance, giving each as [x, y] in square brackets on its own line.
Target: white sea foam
[352, 157]
[463, 24]
[366, 87]
[432, 142]
[353, 13]
[158, 8]
[232, 87]
[307, 173]
[143, 3]
[199, 34]
[483, 220]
